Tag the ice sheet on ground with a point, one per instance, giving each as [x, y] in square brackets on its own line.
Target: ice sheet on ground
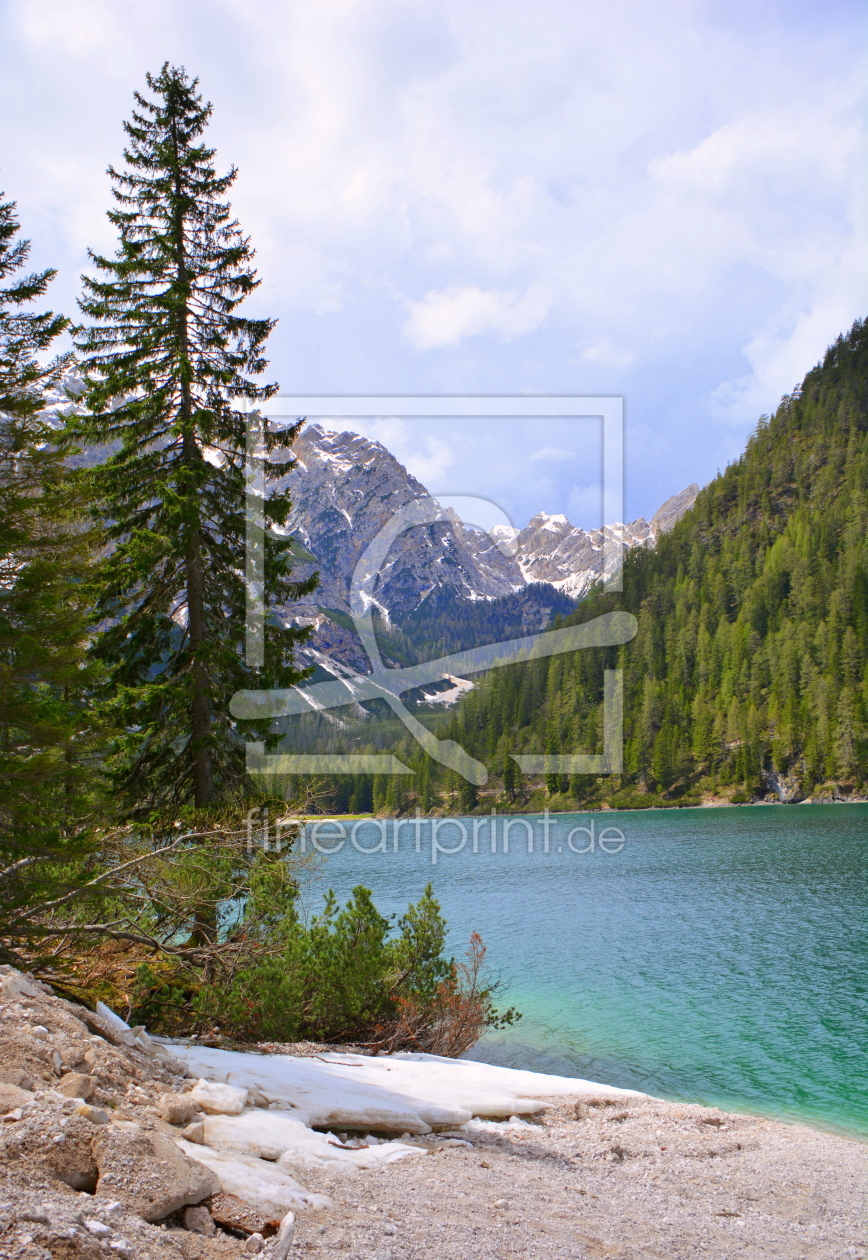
[276, 1135]
[399, 1093]
[218, 1098]
[265, 1186]
[325, 1094]
[465, 1077]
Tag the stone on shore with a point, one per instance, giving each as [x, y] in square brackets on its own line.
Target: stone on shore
[76, 1085]
[147, 1171]
[12, 1096]
[178, 1108]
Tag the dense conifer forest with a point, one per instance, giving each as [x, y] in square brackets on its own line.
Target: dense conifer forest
[751, 660]
[748, 676]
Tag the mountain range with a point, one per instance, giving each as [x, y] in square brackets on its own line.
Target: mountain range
[346, 487]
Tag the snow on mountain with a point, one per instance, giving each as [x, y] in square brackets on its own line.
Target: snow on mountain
[346, 487]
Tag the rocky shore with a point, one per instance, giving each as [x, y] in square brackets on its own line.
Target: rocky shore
[112, 1143]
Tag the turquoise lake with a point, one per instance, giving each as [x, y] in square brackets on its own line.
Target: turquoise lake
[717, 956]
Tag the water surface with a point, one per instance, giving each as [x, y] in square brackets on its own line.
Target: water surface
[719, 956]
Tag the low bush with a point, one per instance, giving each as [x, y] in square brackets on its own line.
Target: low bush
[343, 977]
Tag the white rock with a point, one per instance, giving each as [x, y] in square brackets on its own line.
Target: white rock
[280, 1247]
[14, 985]
[40, 1032]
[264, 1186]
[218, 1099]
[98, 1228]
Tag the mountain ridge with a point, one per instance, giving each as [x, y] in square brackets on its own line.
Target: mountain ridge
[345, 488]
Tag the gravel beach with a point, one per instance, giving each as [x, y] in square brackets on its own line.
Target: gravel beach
[112, 1144]
[644, 1180]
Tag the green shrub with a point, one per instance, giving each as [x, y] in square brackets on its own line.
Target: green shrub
[342, 977]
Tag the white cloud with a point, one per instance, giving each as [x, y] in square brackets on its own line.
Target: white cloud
[602, 351]
[552, 454]
[670, 194]
[442, 319]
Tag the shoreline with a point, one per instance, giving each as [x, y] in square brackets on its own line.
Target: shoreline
[569, 813]
[170, 1151]
[857, 1133]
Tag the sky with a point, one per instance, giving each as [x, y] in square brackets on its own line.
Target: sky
[664, 201]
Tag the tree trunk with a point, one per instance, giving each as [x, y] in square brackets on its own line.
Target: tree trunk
[203, 775]
[200, 716]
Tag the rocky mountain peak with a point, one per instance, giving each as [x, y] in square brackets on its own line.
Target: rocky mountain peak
[673, 509]
[346, 487]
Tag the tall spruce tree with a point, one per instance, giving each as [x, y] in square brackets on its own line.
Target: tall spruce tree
[169, 367]
[45, 553]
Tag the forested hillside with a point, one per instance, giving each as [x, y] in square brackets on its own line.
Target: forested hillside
[750, 666]
[749, 672]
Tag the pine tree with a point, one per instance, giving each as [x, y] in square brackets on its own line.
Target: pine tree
[45, 775]
[169, 368]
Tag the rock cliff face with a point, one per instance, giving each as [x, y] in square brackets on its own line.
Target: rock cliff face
[346, 487]
[550, 549]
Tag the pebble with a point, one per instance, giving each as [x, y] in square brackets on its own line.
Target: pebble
[198, 1220]
[95, 1115]
[98, 1229]
[40, 1032]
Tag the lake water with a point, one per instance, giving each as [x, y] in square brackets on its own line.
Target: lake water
[717, 956]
